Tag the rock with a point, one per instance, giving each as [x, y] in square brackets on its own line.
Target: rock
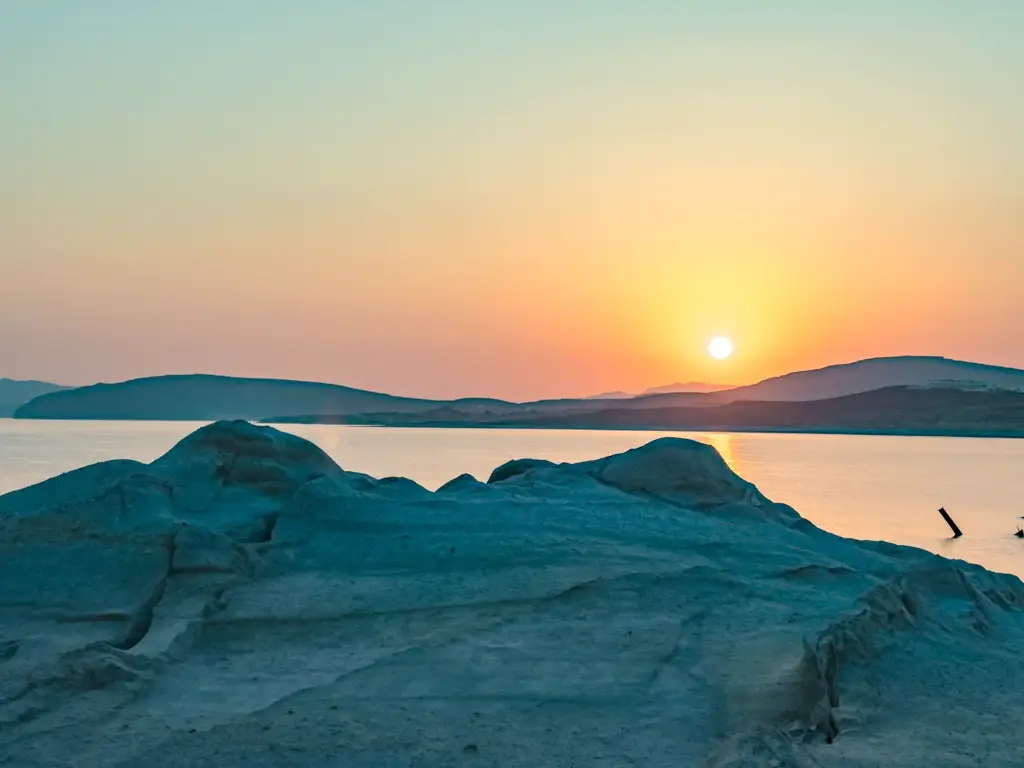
[516, 468]
[461, 483]
[650, 605]
[684, 471]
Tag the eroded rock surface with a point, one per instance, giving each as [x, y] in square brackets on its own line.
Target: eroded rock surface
[244, 601]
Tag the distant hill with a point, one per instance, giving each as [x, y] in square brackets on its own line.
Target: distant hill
[692, 387]
[689, 387]
[851, 378]
[867, 375]
[14, 394]
[931, 410]
[892, 410]
[888, 411]
[202, 397]
[208, 398]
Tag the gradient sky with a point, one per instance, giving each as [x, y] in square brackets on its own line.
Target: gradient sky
[518, 199]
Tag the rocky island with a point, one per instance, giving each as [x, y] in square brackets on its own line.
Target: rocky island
[243, 600]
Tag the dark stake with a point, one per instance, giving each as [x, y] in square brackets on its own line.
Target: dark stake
[1019, 534]
[957, 533]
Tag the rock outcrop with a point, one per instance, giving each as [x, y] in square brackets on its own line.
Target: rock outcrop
[244, 601]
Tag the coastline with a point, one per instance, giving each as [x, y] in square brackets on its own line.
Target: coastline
[990, 435]
[1015, 434]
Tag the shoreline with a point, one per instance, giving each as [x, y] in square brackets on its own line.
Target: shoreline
[1006, 435]
[842, 431]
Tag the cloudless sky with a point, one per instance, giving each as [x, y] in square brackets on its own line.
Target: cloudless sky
[518, 199]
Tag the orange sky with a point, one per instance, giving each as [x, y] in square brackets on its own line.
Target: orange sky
[520, 203]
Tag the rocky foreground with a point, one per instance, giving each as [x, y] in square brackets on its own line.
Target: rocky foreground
[244, 601]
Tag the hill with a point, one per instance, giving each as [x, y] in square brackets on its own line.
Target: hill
[893, 410]
[208, 398]
[861, 376]
[14, 394]
[690, 387]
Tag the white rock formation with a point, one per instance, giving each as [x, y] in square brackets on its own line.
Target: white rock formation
[244, 601]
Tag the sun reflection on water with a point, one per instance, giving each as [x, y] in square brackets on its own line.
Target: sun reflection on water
[723, 444]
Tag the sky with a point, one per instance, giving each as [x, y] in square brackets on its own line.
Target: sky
[521, 200]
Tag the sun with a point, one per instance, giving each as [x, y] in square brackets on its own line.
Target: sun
[720, 348]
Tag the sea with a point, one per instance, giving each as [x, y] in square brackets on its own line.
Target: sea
[864, 487]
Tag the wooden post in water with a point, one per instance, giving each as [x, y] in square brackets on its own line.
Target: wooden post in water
[945, 516]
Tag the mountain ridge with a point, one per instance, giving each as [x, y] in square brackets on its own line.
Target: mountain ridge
[16, 392]
[210, 397]
[928, 411]
[697, 387]
[220, 395]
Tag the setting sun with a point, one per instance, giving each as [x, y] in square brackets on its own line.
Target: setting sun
[720, 348]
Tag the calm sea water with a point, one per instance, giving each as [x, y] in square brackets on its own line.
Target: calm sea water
[859, 486]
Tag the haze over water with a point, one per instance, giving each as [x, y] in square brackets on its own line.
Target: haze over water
[866, 487]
